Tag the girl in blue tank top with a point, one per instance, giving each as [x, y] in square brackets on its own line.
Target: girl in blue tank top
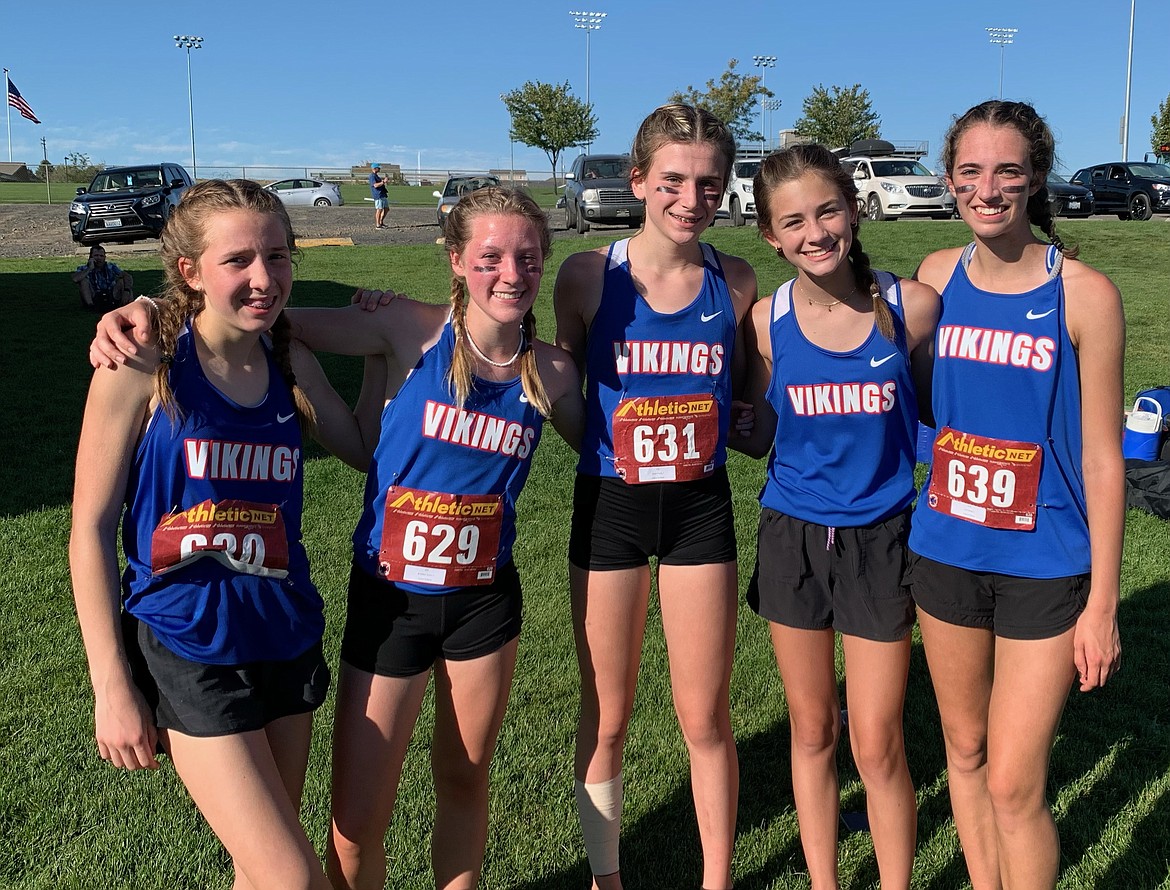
[433, 587]
[832, 359]
[216, 655]
[1018, 530]
[653, 321]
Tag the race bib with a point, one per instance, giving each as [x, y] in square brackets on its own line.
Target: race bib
[448, 540]
[991, 482]
[665, 438]
[244, 536]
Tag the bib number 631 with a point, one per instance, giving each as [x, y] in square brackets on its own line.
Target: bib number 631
[666, 438]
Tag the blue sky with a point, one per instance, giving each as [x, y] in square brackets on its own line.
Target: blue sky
[332, 84]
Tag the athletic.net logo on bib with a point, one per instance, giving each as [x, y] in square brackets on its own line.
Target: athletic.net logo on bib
[432, 537]
[991, 482]
[665, 438]
[244, 536]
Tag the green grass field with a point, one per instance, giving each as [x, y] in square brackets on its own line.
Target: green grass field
[68, 820]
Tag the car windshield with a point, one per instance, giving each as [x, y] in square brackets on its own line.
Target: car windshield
[747, 169]
[465, 185]
[899, 168]
[609, 168]
[1150, 171]
[1056, 178]
[123, 180]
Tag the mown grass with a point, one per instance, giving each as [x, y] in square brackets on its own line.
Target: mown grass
[69, 820]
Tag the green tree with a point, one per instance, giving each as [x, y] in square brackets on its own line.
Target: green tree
[1160, 135]
[548, 117]
[733, 100]
[838, 119]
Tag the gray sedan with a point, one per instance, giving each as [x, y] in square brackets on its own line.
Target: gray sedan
[305, 192]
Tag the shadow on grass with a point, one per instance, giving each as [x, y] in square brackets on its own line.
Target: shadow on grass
[46, 336]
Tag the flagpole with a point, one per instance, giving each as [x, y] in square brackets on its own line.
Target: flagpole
[8, 115]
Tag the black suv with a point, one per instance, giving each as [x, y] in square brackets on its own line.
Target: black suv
[597, 190]
[127, 203]
[1130, 189]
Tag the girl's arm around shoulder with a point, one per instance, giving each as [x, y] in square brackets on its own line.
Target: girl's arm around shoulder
[937, 268]
[922, 306]
[116, 412]
[758, 355]
[350, 434]
[401, 328]
[576, 298]
[562, 382]
[1096, 326]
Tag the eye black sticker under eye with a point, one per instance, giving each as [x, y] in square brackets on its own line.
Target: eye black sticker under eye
[483, 268]
[666, 190]
[969, 187]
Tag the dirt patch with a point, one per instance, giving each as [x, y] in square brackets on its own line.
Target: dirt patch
[42, 230]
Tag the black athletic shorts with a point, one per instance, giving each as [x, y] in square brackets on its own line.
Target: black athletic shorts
[220, 699]
[812, 577]
[1013, 607]
[397, 633]
[620, 526]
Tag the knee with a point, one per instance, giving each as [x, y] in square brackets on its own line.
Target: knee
[966, 753]
[607, 728]
[462, 782]
[878, 758]
[1014, 796]
[705, 730]
[815, 735]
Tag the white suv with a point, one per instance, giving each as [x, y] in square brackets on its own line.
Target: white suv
[893, 187]
[738, 202]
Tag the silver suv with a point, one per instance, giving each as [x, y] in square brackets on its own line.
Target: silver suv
[893, 187]
[597, 190]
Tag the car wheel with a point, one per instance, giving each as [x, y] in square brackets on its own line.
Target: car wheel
[736, 213]
[1140, 207]
[322, 202]
[873, 209]
[582, 223]
[569, 220]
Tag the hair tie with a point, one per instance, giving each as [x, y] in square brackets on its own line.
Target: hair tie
[166, 358]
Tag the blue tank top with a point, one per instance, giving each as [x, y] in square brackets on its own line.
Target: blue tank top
[428, 444]
[212, 529]
[845, 421]
[634, 352]
[1004, 367]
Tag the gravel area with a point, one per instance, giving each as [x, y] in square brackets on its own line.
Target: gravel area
[41, 230]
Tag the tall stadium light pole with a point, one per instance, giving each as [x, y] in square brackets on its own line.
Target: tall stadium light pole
[763, 63]
[1001, 37]
[190, 42]
[587, 22]
[772, 105]
[1128, 77]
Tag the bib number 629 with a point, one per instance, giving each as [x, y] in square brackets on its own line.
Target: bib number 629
[440, 538]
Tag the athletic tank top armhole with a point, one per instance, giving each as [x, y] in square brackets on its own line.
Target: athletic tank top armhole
[782, 301]
[711, 257]
[618, 255]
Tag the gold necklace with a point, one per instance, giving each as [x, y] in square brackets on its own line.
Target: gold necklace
[849, 296]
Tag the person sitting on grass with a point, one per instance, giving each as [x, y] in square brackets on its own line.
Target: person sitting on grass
[103, 285]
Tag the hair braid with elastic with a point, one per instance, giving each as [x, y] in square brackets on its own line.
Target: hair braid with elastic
[495, 201]
[281, 334]
[1025, 120]
[863, 275]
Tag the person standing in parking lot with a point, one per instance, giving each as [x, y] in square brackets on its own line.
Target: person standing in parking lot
[378, 191]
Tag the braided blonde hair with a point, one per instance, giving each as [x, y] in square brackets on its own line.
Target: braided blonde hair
[185, 235]
[493, 202]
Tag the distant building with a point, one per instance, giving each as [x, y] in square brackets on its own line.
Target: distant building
[392, 172]
[14, 171]
[507, 177]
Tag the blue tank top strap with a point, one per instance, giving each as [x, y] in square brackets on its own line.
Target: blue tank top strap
[782, 301]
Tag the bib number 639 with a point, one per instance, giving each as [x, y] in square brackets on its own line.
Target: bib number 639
[976, 484]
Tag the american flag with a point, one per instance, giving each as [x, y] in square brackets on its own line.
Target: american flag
[17, 101]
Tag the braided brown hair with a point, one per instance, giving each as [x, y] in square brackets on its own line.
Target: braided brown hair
[185, 235]
[493, 202]
[1025, 120]
[800, 160]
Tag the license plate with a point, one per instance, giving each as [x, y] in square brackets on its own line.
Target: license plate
[113, 223]
[623, 213]
[1074, 205]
